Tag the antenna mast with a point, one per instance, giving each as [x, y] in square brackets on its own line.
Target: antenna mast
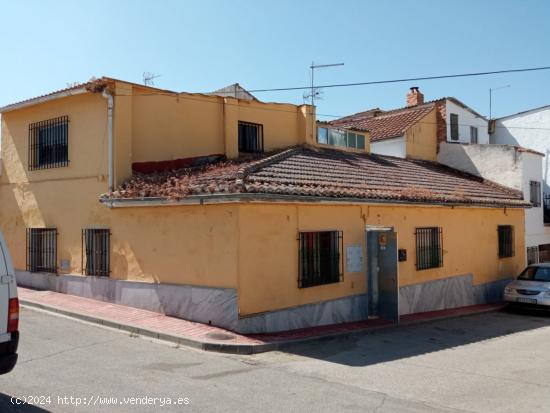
[148, 78]
[315, 93]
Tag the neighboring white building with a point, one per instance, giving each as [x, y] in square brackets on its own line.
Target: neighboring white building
[464, 124]
[514, 167]
[529, 129]
[445, 120]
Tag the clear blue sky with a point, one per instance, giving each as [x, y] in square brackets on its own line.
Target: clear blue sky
[203, 45]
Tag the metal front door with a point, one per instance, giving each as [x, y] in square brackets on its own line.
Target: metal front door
[383, 293]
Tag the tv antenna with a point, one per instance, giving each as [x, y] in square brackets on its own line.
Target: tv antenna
[148, 78]
[491, 98]
[314, 92]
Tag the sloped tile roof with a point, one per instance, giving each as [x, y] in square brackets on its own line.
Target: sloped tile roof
[384, 124]
[313, 173]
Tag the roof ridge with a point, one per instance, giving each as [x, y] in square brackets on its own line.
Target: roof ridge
[252, 167]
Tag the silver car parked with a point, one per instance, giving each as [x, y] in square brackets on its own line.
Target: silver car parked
[531, 287]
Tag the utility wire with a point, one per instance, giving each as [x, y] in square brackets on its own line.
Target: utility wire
[374, 82]
[378, 82]
[184, 97]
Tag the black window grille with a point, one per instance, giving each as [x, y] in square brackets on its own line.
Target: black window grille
[41, 250]
[319, 258]
[454, 126]
[535, 194]
[96, 247]
[532, 255]
[49, 143]
[505, 241]
[429, 248]
[251, 137]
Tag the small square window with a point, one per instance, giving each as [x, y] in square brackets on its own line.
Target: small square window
[535, 193]
[322, 135]
[454, 126]
[473, 134]
[352, 140]
[336, 137]
[360, 141]
[251, 137]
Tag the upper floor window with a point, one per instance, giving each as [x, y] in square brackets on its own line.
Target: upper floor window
[49, 143]
[473, 134]
[454, 126]
[535, 195]
[338, 137]
[251, 137]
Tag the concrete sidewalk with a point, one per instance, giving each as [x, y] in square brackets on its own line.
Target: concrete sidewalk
[210, 338]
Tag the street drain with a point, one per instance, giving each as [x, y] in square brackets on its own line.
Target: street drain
[220, 336]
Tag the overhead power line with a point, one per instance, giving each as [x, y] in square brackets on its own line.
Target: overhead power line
[410, 79]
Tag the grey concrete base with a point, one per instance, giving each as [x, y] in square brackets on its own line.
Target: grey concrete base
[219, 306]
[452, 292]
[348, 309]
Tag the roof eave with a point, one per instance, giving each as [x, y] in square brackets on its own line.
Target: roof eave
[43, 99]
[266, 197]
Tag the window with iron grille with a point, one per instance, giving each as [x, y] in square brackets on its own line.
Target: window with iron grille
[96, 246]
[429, 248]
[49, 143]
[251, 137]
[532, 255]
[505, 241]
[319, 258]
[473, 134]
[535, 194]
[42, 250]
[454, 126]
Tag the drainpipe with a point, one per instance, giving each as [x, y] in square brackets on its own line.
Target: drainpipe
[107, 95]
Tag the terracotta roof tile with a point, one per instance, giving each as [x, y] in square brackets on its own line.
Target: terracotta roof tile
[384, 124]
[327, 173]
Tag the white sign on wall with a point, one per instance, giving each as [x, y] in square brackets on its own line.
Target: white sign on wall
[354, 258]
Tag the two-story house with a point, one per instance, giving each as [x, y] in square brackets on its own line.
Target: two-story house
[241, 213]
[531, 129]
[449, 132]
[417, 130]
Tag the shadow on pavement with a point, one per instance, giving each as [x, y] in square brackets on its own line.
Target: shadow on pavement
[380, 346]
[8, 406]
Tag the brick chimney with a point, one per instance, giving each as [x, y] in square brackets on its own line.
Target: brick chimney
[415, 97]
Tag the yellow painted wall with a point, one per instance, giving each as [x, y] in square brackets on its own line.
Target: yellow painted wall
[192, 245]
[421, 138]
[166, 127]
[268, 252]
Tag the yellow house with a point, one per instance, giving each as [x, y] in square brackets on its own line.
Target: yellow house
[240, 213]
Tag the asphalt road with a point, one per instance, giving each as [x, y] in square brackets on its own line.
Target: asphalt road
[496, 362]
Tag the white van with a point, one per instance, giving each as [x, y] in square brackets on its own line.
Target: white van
[9, 311]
